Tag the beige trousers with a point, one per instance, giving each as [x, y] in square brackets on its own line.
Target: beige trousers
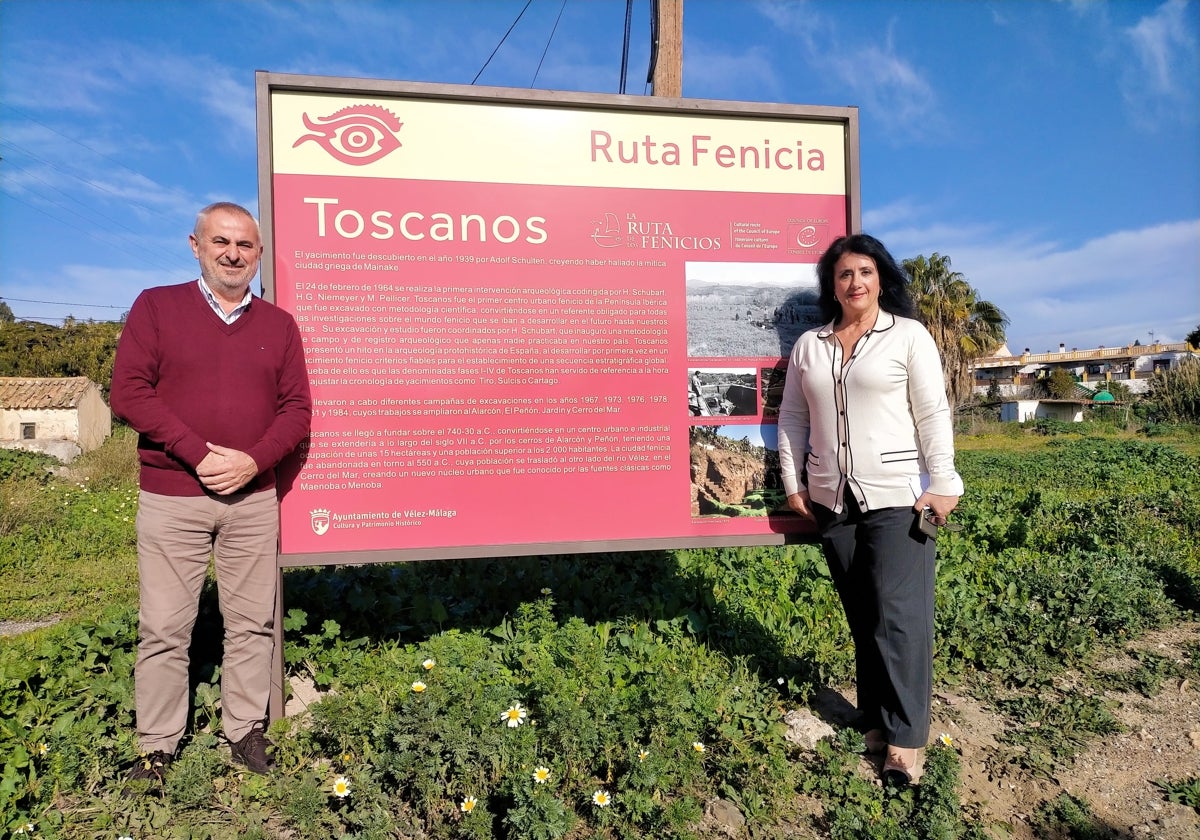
[176, 537]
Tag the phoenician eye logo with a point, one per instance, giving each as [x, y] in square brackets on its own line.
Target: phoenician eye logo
[357, 135]
[320, 520]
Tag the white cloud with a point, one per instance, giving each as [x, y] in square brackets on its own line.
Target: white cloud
[1110, 290]
[798, 19]
[1162, 81]
[720, 74]
[889, 86]
[114, 79]
[232, 105]
[878, 218]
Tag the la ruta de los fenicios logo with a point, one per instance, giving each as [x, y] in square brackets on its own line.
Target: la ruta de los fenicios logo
[648, 234]
[357, 135]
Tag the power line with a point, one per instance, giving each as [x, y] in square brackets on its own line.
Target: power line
[134, 238]
[163, 259]
[92, 230]
[26, 115]
[625, 43]
[49, 320]
[65, 303]
[502, 40]
[653, 62]
[548, 40]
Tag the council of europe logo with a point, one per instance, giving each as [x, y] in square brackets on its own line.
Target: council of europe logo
[357, 135]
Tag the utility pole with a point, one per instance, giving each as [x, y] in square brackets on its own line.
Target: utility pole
[667, 77]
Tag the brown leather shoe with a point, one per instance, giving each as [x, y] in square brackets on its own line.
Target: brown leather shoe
[251, 751]
[904, 765]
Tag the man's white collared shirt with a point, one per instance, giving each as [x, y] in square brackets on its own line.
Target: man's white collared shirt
[231, 316]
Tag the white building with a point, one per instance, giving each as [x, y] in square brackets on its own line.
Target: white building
[1133, 365]
[60, 416]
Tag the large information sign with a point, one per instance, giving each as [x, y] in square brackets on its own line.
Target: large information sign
[537, 322]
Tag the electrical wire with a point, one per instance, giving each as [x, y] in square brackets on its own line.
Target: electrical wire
[502, 40]
[625, 42]
[54, 321]
[92, 231]
[9, 109]
[653, 42]
[65, 303]
[112, 229]
[548, 40]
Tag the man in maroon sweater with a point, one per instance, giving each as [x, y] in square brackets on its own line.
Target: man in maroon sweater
[213, 380]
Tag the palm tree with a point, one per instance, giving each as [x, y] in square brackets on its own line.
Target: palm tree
[963, 326]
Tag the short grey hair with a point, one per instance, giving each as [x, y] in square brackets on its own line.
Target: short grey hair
[227, 206]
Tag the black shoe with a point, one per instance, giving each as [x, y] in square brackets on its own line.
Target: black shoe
[251, 751]
[150, 768]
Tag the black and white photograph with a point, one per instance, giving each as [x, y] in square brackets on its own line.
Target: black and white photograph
[749, 309]
[722, 392]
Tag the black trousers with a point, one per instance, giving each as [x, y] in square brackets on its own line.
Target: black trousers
[883, 569]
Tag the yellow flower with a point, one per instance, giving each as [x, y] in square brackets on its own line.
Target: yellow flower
[43, 748]
[643, 754]
[468, 804]
[541, 775]
[418, 687]
[515, 716]
[347, 757]
[698, 746]
[601, 798]
[341, 787]
[946, 739]
[428, 664]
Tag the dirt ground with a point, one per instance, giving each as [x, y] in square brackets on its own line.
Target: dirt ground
[1114, 775]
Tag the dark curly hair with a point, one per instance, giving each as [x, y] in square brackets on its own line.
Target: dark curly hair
[893, 282]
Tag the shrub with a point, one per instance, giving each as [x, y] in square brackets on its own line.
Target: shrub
[1067, 818]
[115, 464]
[21, 464]
[1174, 395]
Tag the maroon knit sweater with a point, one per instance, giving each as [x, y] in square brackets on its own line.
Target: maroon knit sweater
[183, 377]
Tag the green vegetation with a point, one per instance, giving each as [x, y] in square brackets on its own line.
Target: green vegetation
[1174, 395]
[1067, 818]
[78, 348]
[657, 678]
[67, 547]
[1185, 792]
[963, 325]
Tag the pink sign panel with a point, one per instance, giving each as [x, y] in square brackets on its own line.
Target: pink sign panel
[574, 345]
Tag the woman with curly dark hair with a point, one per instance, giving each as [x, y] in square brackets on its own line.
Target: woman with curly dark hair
[866, 450]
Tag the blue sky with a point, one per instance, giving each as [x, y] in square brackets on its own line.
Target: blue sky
[1050, 149]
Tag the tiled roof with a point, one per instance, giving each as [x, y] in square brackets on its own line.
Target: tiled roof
[42, 392]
